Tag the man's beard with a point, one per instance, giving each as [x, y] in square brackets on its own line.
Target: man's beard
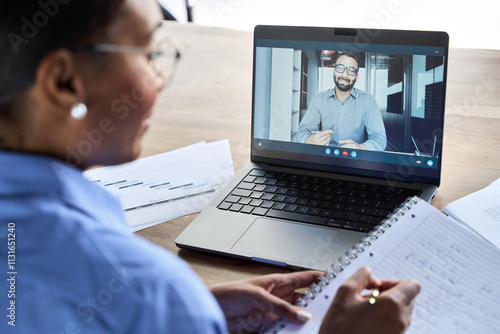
[344, 87]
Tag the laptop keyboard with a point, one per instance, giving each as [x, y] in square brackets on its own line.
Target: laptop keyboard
[320, 201]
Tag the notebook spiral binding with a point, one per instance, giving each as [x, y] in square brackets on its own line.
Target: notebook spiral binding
[345, 260]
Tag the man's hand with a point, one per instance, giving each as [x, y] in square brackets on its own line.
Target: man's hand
[351, 312]
[348, 143]
[255, 304]
[320, 138]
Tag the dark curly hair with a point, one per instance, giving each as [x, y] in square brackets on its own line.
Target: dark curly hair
[29, 30]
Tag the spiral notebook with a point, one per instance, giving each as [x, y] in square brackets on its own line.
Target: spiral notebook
[458, 271]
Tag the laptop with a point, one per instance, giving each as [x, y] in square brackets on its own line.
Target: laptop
[302, 203]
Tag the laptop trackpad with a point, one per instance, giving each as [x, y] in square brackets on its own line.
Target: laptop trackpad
[291, 243]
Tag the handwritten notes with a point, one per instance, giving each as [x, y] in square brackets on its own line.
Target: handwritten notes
[458, 276]
[458, 272]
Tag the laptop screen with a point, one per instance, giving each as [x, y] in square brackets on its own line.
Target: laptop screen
[342, 100]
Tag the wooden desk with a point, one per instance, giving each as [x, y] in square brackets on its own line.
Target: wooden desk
[210, 100]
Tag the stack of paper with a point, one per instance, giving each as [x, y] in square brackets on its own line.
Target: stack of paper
[162, 187]
[480, 211]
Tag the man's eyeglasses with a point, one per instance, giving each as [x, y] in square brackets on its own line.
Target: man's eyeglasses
[163, 58]
[341, 68]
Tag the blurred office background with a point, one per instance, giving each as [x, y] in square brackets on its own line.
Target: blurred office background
[470, 24]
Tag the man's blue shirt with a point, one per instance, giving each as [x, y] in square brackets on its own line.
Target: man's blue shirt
[357, 118]
[79, 269]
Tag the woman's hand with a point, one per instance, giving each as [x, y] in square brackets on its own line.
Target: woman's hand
[351, 312]
[256, 304]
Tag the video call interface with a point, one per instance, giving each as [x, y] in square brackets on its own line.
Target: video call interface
[395, 111]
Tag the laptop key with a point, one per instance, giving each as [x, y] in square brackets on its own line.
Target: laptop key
[328, 182]
[364, 219]
[224, 205]
[376, 220]
[267, 204]
[296, 217]
[348, 225]
[352, 200]
[236, 207]
[340, 199]
[316, 195]
[247, 209]
[304, 186]
[270, 182]
[329, 190]
[351, 208]
[338, 207]
[232, 199]
[305, 179]
[290, 207]
[257, 172]
[271, 175]
[279, 198]
[305, 194]
[245, 201]
[301, 201]
[241, 192]
[281, 183]
[267, 196]
[259, 211]
[351, 216]
[282, 176]
[282, 191]
[302, 209]
[328, 198]
[365, 202]
[245, 185]
[326, 213]
[259, 187]
[364, 210]
[325, 205]
[313, 203]
[390, 206]
[362, 227]
[338, 214]
[317, 180]
[261, 180]
[279, 206]
[332, 222]
[316, 188]
[314, 211]
[249, 179]
[256, 194]
[271, 189]
[256, 202]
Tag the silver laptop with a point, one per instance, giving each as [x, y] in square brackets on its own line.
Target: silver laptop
[346, 124]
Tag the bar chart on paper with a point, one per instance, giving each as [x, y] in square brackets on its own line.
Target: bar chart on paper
[169, 185]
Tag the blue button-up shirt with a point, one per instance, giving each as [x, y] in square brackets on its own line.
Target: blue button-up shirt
[357, 118]
[76, 268]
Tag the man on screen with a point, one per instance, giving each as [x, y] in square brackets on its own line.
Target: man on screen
[344, 116]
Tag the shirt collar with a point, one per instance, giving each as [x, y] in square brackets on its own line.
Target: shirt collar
[354, 92]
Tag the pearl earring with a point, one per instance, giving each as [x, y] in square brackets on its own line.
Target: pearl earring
[79, 111]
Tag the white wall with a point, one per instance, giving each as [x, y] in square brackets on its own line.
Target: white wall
[470, 24]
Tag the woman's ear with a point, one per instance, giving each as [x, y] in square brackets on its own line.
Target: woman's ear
[61, 84]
